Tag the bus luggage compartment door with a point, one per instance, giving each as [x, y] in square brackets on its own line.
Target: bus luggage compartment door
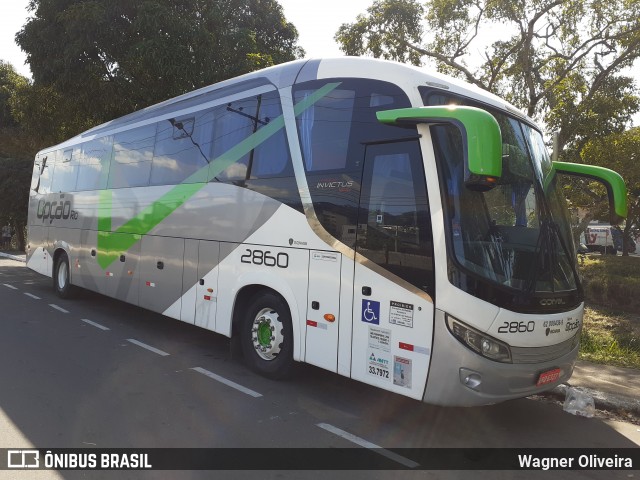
[161, 267]
[207, 286]
[323, 309]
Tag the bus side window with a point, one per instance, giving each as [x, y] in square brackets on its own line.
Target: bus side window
[94, 164]
[271, 158]
[266, 168]
[183, 146]
[65, 172]
[394, 229]
[325, 128]
[132, 156]
[233, 123]
[333, 133]
[270, 168]
[42, 168]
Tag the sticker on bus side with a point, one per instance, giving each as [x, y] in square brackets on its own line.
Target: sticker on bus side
[402, 371]
[401, 314]
[379, 365]
[380, 339]
[371, 312]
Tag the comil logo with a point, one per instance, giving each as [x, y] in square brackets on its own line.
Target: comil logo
[545, 302]
[23, 459]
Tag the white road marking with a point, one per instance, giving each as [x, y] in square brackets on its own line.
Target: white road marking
[97, 325]
[60, 309]
[148, 347]
[366, 444]
[227, 382]
[10, 286]
[35, 297]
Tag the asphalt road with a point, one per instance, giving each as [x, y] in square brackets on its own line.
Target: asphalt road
[97, 373]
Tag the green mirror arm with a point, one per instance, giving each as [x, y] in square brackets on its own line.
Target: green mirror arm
[480, 131]
[616, 188]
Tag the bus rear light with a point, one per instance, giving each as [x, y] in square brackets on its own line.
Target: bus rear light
[329, 317]
[479, 342]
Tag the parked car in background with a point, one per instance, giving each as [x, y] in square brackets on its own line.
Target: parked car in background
[606, 240]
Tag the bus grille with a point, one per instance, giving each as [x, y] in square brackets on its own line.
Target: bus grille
[543, 354]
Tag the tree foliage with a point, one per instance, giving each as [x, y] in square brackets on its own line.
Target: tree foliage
[99, 59]
[558, 60]
[15, 176]
[385, 32]
[10, 81]
[16, 155]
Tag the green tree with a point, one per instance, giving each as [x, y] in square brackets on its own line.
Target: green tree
[10, 80]
[16, 155]
[100, 59]
[558, 60]
[15, 176]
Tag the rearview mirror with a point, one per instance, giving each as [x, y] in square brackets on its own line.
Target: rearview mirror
[481, 138]
[613, 182]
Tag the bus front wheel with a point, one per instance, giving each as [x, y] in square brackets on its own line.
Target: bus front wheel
[267, 336]
[62, 277]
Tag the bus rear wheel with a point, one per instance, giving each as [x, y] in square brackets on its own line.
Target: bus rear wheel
[62, 277]
[267, 336]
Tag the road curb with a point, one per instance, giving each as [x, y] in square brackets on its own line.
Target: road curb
[602, 401]
[13, 257]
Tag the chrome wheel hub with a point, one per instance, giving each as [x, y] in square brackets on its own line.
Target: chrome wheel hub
[266, 334]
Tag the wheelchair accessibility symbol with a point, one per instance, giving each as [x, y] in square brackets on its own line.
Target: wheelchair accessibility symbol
[371, 312]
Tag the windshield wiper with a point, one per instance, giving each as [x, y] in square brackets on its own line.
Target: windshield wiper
[546, 251]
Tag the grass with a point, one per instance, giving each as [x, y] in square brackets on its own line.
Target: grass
[610, 338]
[611, 332]
[612, 282]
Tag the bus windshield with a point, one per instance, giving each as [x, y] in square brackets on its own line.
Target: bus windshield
[517, 235]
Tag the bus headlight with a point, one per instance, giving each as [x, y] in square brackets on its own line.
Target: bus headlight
[480, 343]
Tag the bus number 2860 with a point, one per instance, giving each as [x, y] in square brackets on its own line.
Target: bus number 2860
[259, 257]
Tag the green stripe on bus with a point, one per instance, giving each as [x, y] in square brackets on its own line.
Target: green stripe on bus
[110, 246]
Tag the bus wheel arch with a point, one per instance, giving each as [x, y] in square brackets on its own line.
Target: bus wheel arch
[62, 274]
[263, 331]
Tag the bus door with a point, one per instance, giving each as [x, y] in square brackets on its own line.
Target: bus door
[323, 309]
[393, 309]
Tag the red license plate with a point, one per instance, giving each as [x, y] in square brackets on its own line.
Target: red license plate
[548, 377]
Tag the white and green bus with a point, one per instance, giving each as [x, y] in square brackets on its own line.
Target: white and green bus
[388, 224]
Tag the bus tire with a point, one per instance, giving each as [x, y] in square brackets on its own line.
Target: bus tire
[267, 336]
[62, 277]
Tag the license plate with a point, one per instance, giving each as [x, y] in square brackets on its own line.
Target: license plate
[548, 377]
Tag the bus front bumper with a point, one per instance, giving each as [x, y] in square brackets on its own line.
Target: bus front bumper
[460, 377]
